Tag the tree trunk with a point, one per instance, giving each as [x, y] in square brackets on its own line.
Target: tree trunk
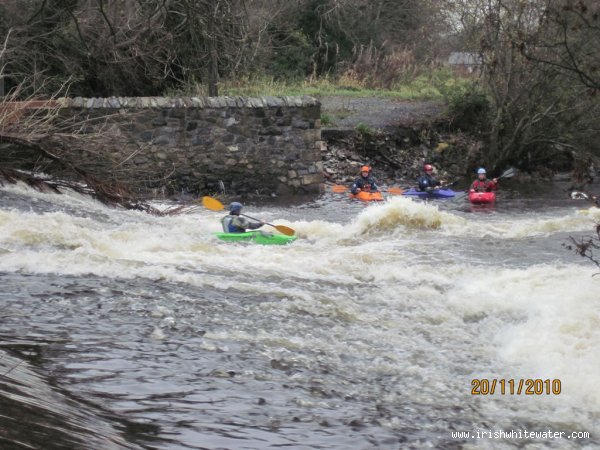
[213, 59]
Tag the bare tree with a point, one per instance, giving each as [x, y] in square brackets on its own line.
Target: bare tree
[211, 36]
[586, 247]
[539, 115]
[48, 150]
[123, 47]
[570, 40]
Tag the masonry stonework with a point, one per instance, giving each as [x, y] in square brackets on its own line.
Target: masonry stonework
[259, 145]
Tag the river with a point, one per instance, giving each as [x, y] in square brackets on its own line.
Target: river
[121, 330]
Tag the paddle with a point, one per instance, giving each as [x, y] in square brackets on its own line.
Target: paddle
[390, 190]
[508, 173]
[215, 205]
[447, 185]
[338, 188]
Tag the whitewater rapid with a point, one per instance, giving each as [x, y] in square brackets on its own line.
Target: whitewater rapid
[379, 317]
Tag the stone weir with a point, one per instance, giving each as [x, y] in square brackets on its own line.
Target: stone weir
[233, 145]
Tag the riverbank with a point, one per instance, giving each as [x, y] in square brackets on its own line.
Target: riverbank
[270, 148]
[395, 138]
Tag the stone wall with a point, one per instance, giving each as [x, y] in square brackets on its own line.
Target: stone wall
[260, 145]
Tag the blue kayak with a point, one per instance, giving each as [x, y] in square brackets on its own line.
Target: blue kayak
[437, 193]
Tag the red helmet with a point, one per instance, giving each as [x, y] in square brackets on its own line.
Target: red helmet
[365, 169]
[428, 168]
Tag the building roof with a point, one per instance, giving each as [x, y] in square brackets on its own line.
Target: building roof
[464, 59]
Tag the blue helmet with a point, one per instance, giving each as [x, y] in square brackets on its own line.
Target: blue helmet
[480, 171]
[235, 207]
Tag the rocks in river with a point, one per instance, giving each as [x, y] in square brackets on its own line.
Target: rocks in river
[397, 154]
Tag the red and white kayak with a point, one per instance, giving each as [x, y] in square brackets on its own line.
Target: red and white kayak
[482, 198]
[368, 196]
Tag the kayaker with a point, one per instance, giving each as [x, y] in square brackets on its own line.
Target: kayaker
[427, 182]
[234, 223]
[482, 184]
[365, 182]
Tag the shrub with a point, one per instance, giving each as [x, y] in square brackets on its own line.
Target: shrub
[365, 129]
[326, 120]
[468, 105]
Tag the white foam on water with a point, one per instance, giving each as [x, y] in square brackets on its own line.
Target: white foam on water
[526, 226]
[432, 328]
[402, 213]
[398, 217]
[67, 199]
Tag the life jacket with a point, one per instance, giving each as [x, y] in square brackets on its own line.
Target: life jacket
[426, 181]
[229, 225]
[483, 185]
[365, 184]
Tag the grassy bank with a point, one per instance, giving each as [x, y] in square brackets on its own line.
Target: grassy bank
[432, 85]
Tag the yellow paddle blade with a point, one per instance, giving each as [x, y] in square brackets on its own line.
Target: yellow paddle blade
[212, 203]
[395, 190]
[285, 230]
[338, 188]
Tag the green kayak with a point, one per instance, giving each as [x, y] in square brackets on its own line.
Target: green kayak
[257, 237]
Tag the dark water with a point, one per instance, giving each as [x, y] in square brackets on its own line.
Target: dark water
[120, 330]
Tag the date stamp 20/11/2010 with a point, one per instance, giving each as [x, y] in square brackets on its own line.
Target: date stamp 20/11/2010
[510, 386]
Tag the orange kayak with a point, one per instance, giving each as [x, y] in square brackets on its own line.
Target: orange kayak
[368, 196]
